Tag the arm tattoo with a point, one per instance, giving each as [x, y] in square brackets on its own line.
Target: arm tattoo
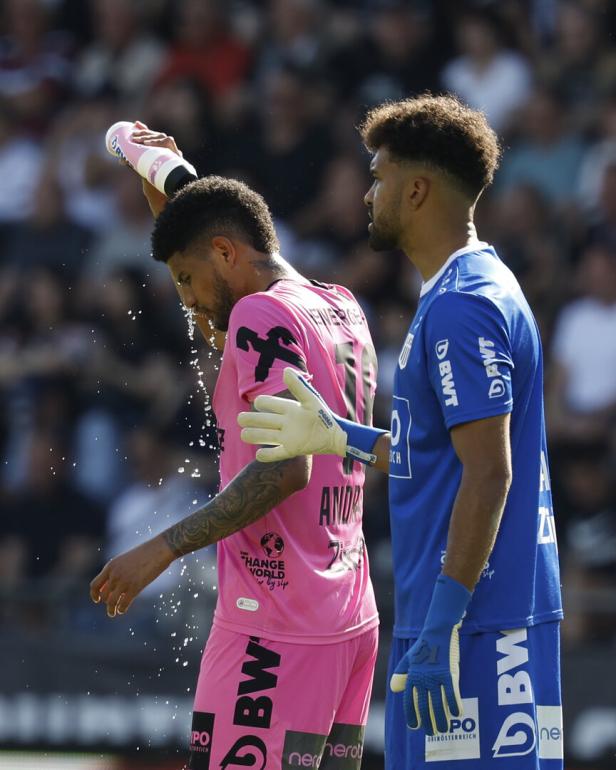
[257, 489]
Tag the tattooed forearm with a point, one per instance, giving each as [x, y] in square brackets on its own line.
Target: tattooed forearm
[251, 494]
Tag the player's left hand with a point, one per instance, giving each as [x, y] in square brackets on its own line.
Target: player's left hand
[125, 576]
[429, 673]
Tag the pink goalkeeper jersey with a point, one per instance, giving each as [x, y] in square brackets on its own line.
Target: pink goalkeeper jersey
[300, 573]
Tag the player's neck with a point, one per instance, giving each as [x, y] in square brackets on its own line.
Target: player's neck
[269, 268]
[429, 251]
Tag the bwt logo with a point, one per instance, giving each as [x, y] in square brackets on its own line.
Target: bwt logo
[517, 736]
[441, 349]
[490, 362]
[444, 369]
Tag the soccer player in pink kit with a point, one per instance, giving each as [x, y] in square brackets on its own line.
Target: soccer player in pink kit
[287, 671]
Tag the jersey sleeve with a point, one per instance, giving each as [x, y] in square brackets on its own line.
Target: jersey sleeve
[264, 338]
[469, 357]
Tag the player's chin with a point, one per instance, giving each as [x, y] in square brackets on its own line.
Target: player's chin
[377, 241]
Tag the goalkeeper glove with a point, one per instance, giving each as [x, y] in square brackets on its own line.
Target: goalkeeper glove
[429, 673]
[304, 427]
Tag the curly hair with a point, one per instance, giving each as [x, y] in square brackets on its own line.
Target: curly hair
[213, 206]
[440, 131]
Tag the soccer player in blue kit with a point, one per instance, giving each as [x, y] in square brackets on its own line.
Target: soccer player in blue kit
[475, 660]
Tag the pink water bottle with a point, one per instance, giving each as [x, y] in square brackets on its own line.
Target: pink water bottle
[163, 168]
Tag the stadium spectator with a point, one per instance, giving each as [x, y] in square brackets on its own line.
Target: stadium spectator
[33, 63]
[582, 394]
[391, 56]
[534, 249]
[581, 65]
[486, 75]
[206, 48]
[83, 167]
[124, 56]
[544, 153]
[288, 157]
[162, 488]
[127, 244]
[603, 223]
[587, 515]
[600, 155]
[47, 237]
[62, 547]
[295, 33]
[21, 159]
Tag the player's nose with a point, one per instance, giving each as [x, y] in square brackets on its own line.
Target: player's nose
[188, 298]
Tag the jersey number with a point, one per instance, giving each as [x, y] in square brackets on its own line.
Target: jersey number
[345, 355]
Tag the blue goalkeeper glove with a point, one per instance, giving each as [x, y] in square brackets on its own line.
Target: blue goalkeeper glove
[429, 673]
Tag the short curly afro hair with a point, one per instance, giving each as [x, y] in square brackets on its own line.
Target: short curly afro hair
[440, 131]
[213, 206]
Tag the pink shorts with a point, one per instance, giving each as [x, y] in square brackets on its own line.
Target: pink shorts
[273, 705]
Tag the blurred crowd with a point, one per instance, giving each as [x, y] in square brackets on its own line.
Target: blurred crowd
[105, 434]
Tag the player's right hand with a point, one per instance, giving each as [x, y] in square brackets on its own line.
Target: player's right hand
[144, 135]
[290, 428]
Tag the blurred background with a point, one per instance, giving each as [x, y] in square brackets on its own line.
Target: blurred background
[106, 435]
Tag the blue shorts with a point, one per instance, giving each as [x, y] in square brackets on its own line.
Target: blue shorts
[512, 720]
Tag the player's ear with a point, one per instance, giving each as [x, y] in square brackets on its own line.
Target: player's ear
[224, 251]
[417, 191]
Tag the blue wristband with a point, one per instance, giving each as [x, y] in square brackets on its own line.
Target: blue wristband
[449, 602]
[360, 440]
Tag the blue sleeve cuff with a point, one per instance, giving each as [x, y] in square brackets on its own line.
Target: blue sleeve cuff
[449, 602]
[360, 440]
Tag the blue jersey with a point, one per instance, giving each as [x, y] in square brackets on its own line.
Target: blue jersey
[472, 351]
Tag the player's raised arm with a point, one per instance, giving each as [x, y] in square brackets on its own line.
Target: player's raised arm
[253, 493]
[307, 426]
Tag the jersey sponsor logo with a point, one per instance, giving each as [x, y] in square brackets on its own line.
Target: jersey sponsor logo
[493, 373]
[444, 368]
[269, 349]
[400, 449]
[269, 572]
[247, 751]
[252, 605]
[550, 729]
[447, 383]
[344, 742]
[517, 735]
[462, 740]
[272, 544]
[256, 711]
[201, 734]
[340, 505]
[403, 358]
[441, 349]
[496, 389]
